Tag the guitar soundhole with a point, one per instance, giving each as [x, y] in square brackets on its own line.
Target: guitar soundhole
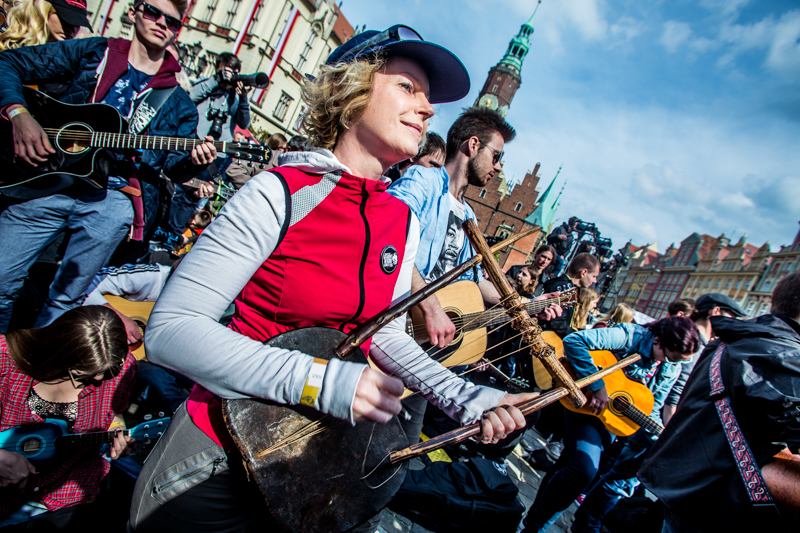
[620, 403]
[74, 138]
[31, 446]
[455, 316]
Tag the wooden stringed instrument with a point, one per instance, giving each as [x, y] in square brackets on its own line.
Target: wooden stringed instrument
[630, 402]
[78, 133]
[318, 473]
[463, 303]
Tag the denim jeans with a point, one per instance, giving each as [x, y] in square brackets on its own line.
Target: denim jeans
[183, 204]
[586, 437]
[165, 384]
[95, 222]
[620, 482]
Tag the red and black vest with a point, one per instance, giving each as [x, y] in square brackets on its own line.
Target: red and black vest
[336, 263]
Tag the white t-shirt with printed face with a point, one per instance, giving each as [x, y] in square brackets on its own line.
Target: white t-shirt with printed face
[454, 241]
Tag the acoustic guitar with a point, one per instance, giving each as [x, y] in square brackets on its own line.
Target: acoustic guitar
[139, 312]
[630, 402]
[78, 134]
[41, 442]
[463, 303]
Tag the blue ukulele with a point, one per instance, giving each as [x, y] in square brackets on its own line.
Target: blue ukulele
[41, 442]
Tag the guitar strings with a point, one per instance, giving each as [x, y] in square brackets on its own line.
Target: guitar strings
[536, 307]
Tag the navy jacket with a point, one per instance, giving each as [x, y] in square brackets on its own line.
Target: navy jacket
[76, 64]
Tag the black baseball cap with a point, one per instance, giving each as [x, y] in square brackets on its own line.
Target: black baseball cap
[714, 299]
[72, 12]
[447, 76]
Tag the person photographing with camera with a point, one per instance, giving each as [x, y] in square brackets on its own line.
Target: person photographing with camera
[222, 100]
[222, 106]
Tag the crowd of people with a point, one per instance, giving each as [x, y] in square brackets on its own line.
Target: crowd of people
[369, 206]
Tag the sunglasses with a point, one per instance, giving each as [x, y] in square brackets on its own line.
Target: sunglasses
[394, 34]
[88, 379]
[498, 156]
[154, 14]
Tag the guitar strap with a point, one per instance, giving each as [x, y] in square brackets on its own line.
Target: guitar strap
[753, 481]
[146, 106]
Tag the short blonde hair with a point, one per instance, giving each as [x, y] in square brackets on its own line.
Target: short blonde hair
[27, 24]
[337, 98]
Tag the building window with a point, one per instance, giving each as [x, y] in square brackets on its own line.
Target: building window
[257, 13]
[298, 122]
[518, 207]
[282, 107]
[482, 194]
[738, 283]
[728, 284]
[716, 285]
[312, 38]
[691, 282]
[231, 13]
[494, 89]
[708, 283]
[212, 5]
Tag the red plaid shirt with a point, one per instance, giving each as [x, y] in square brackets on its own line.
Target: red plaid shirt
[75, 477]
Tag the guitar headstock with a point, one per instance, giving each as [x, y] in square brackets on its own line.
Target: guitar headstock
[248, 152]
[568, 298]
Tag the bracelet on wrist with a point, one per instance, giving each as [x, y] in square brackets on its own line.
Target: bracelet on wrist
[17, 111]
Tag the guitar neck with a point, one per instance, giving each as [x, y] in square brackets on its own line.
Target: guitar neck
[496, 317]
[639, 417]
[84, 440]
[101, 139]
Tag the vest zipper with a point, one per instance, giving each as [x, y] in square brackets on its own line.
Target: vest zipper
[367, 237]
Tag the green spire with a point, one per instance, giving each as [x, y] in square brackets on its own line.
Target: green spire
[520, 44]
[545, 212]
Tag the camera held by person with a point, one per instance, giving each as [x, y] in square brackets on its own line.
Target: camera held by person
[221, 100]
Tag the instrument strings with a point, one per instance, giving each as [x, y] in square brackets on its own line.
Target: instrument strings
[321, 425]
[537, 307]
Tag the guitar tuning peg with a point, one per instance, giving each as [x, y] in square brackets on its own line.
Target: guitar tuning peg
[147, 417]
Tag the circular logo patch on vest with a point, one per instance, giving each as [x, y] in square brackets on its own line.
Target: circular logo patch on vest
[389, 259]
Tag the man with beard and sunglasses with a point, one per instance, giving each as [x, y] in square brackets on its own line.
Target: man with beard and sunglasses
[125, 75]
[473, 156]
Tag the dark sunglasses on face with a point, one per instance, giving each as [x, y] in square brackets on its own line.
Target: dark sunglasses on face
[498, 156]
[154, 14]
[89, 379]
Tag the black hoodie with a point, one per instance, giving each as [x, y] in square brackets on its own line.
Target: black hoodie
[691, 467]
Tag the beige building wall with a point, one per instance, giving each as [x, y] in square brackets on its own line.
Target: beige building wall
[318, 28]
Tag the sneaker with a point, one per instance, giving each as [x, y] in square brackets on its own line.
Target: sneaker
[541, 460]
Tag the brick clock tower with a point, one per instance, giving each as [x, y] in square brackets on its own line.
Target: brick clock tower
[505, 77]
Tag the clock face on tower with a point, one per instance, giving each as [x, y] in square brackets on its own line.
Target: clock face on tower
[488, 100]
[503, 110]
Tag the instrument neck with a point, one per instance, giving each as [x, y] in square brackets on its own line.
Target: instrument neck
[642, 420]
[496, 317]
[148, 142]
[85, 440]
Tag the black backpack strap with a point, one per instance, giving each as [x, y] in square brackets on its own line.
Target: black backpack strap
[146, 107]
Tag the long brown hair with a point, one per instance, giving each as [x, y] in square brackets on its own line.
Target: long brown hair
[88, 339]
[585, 297]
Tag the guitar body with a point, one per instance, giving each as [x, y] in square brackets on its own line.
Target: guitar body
[139, 312]
[618, 386]
[35, 442]
[540, 374]
[315, 484]
[457, 299]
[72, 159]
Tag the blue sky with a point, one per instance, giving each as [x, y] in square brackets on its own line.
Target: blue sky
[669, 116]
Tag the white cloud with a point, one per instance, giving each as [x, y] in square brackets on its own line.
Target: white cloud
[675, 35]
